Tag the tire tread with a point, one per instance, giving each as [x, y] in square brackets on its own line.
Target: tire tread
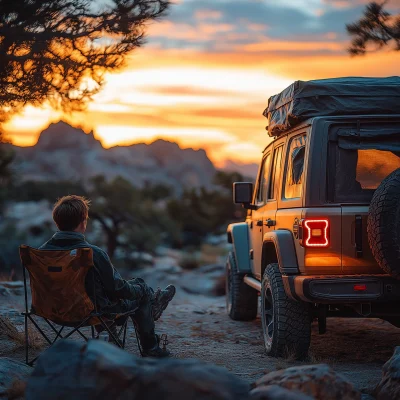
[383, 224]
[244, 298]
[292, 319]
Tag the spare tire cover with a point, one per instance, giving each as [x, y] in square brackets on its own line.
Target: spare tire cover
[384, 224]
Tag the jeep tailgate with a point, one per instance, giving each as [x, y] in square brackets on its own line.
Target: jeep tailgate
[357, 257]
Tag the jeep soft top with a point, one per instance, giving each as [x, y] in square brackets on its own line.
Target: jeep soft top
[322, 234]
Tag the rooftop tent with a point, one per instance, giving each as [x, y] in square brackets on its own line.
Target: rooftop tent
[328, 97]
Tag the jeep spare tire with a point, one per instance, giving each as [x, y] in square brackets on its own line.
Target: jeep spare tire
[384, 224]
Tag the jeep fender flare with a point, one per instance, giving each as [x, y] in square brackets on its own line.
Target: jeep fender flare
[282, 242]
[238, 235]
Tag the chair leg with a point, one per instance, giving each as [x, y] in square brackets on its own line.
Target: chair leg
[26, 340]
[27, 319]
[77, 329]
[33, 361]
[137, 339]
[106, 327]
[122, 329]
[124, 337]
[40, 330]
[58, 334]
[82, 335]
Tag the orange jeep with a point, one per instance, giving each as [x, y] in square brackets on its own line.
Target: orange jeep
[322, 234]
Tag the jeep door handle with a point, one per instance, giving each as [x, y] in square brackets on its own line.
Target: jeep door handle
[269, 222]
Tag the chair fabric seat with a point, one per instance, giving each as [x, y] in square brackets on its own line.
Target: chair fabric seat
[57, 280]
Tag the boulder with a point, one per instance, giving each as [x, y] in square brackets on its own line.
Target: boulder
[317, 381]
[13, 284]
[99, 370]
[212, 268]
[11, 288]
[13, 375]
[389, 386]
[275, 392]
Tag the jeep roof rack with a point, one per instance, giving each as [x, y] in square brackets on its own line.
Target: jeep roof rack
[329, 97]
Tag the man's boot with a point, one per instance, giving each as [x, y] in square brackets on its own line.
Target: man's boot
[161, 300]
[157, 351]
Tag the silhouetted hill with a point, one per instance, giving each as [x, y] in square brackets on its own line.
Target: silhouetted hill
[247, 170]
[67, 153]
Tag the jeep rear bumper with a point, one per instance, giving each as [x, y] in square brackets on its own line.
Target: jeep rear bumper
[343, 289]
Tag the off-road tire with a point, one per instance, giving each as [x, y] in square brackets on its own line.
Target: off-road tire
[286, 323]
[384, 224]
[241, 299]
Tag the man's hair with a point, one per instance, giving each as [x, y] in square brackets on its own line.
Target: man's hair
[70, 211]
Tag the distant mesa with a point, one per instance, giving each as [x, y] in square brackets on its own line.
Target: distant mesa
[61, 135]
[67, 153]
[247, 170]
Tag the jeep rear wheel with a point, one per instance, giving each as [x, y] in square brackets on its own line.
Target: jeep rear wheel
[286, 323]
[384, 224]
[241, 299]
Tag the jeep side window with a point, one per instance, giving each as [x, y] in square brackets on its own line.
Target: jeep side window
[263, 181]
[277, 166]
[295, 168]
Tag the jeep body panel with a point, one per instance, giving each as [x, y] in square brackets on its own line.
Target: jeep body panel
[283, 245]
[286, 219]
[357, 256]
[263, 219]
[238, 235]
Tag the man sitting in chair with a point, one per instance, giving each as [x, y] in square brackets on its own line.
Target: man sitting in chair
[113, 294]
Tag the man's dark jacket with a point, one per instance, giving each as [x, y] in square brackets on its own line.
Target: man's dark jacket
[111, 291]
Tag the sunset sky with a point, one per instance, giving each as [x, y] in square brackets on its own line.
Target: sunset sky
[208, 68]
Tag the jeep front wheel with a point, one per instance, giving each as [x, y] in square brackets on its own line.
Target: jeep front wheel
[241, 299]
[286, 323]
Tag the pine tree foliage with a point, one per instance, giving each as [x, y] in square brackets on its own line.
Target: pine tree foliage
[59, 50]
[376, 29]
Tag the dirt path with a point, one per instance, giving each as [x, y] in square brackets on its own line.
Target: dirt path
[198, 327]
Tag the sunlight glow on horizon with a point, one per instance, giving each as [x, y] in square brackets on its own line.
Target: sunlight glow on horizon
[204, 78]
[168, 93]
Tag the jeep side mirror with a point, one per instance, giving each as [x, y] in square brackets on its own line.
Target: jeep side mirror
[243, 193]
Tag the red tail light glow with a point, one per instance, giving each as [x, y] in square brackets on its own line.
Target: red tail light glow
[360, 288]
[315, 232]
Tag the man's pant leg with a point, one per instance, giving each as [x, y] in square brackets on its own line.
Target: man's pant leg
[143, 317]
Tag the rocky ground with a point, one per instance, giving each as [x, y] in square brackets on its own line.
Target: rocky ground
[198, 327]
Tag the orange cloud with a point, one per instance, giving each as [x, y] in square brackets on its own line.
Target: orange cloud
[271, 45]
[200, 33]
[294, 66]
[205, 99]
[208, 14]
[256, 27]
[187, 91]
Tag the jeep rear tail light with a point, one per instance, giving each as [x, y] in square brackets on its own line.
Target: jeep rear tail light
[360, 288]
[314, 232]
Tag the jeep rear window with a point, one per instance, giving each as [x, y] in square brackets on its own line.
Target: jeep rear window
[358, 172]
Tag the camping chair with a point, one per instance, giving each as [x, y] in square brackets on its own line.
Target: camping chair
[59, 296]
